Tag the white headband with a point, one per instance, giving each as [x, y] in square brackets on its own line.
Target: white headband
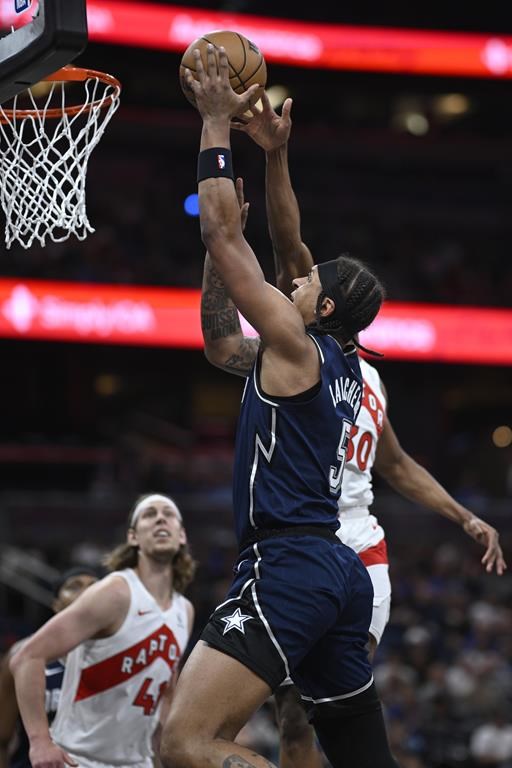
[153, 499]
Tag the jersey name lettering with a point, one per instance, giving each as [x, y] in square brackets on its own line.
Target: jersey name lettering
[161, 647]
[374, 406]
[99, 677]
[346, 389]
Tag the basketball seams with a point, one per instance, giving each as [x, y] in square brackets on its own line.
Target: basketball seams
[237, 75]
[237, 85]
[253, 74]
[245, 55]
[186, 66]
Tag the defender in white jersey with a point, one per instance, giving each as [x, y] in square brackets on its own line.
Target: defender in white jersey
[373, 443]
[358, 528]
[123, 640]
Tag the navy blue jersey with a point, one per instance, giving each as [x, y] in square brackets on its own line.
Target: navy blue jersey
[290, 451]
[54, 673]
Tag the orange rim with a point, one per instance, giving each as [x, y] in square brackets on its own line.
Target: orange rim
[67, 74]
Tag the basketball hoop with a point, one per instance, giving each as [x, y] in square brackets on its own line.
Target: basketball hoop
[44, 152]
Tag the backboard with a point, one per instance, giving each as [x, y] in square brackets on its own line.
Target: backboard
[55, 35]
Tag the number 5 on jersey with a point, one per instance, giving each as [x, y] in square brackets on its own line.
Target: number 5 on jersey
[336, 471]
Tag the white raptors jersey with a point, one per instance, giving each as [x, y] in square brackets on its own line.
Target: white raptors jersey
[358, 529]
[112, 686]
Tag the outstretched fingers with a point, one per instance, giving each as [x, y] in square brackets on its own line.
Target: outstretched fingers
[287, 108]
[249, 97]
[493, 556]
[198, 61]
[190, 80]
[244, 207]
[223, 64]
[239, 186]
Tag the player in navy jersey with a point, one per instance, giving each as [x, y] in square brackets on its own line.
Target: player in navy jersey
[359, 529]
[300, 601]
[14, 745]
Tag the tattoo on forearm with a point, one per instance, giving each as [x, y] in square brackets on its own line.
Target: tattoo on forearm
[217, 325]
[219, 320]
[237, 761]
[219, 316]
[213, 299]
[214, 291]
[243, 360]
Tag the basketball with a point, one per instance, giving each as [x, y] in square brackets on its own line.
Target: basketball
[246, 63]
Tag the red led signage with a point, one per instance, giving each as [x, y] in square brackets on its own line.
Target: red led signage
[169, 317]
[297, 43]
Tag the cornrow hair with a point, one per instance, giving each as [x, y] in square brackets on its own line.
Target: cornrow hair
[362, 293]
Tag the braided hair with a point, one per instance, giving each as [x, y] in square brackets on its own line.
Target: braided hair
[361, 295]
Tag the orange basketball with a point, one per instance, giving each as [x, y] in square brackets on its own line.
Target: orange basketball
[246, 63]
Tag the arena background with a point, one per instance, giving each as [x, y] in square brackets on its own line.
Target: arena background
[427, 201]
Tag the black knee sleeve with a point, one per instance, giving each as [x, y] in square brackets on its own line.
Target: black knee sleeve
[352, 732]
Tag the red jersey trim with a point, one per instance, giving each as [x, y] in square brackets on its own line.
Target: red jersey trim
[375, 409]
[97, 678]
[377, 555]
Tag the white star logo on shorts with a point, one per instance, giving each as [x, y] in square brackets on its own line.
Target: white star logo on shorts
[236, 621]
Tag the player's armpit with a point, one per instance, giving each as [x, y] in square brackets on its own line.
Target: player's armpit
[241, 359]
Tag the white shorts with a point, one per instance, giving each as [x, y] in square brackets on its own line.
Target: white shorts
[362, 532]
[379, 574]
[84, 762]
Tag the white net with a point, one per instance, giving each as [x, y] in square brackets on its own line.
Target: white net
[43, 161]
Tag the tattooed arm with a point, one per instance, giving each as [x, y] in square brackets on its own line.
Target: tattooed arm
[225, 345]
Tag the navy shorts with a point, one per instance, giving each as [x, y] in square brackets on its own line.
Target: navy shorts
[299, 606]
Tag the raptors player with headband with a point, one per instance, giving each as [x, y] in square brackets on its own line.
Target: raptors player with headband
[122, 639]
[373, 443]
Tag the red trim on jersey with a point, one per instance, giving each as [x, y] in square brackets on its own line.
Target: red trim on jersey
[377, 411]
[377, 555]
[129, 662]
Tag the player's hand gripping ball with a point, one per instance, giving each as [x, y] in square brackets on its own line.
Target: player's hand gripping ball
[246, 63]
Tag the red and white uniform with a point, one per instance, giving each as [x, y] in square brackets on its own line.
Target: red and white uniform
[358, 528]
[112, 686]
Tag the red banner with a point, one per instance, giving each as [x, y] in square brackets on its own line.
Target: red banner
[298, 43]
[169, 317]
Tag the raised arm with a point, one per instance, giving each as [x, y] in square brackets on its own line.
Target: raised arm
[276, 319]
[414, 482]
[100, 610]
[292, 258]
[224, 343]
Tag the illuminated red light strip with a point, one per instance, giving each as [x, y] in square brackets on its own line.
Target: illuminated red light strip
[297, 43]
[169, 317]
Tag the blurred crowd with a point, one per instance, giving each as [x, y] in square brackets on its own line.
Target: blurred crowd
[432, 234]
[443, 669]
